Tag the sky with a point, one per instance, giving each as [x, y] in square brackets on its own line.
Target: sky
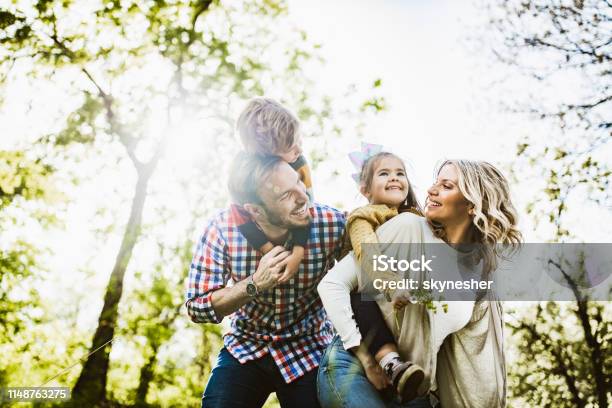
[441, 94]
[430, 80]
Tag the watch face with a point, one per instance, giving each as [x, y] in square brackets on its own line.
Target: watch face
[251, 289]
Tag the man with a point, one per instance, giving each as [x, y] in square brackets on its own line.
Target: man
[279, 329]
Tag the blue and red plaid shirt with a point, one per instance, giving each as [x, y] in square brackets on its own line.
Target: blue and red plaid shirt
[288, 321]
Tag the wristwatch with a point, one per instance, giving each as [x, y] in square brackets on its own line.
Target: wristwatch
[251, 288]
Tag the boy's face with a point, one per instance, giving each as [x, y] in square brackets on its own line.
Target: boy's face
[285, 199]
[293, 152]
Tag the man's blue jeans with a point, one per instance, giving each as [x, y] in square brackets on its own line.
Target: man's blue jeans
[232, 384]
[342, 382]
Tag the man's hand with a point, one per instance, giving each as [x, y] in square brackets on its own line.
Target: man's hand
[270, 268]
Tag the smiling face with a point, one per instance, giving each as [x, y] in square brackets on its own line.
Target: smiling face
[445, 203]
[389, 183]
[284, 198]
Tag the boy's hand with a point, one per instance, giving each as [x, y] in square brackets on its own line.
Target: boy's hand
[293, 264]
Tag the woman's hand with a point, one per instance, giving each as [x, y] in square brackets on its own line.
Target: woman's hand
[401, 298]
[376, 376]
[372, 369]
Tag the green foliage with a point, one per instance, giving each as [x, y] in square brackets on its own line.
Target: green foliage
[154, 325]
[553, 45]
[556, 368]
[24, 182]
[7, 19]
[79, 123]
[17, 298]
[23, 178]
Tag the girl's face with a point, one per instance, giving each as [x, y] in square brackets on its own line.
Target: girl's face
[389, 183]
[445, 202]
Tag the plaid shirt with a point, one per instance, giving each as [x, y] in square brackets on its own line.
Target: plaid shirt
[288, 321]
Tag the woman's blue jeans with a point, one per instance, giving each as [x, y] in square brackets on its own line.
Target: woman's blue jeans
[342, 382]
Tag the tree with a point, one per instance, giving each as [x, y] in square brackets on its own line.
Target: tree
[26, 182]
[27, 185]
[563, 361]
[141, 70]
[562, 51]
[151, 314]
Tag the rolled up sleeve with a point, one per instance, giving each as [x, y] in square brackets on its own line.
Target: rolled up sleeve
[207, 273]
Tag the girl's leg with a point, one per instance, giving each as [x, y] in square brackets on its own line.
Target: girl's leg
[405, 376]
[372, 326]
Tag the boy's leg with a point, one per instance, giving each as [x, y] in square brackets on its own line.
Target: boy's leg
[236, 385]
[254, 236]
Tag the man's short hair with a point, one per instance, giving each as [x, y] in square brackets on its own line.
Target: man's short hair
[247, 174]
[267, 127]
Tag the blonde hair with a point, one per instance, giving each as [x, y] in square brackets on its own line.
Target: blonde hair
[266, 127]
[367, 175]
[495, 218]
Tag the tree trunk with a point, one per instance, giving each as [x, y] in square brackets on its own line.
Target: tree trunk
[596, 354]
[90, 388]
[146, 375]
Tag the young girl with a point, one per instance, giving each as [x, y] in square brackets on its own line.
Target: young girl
[382, 180]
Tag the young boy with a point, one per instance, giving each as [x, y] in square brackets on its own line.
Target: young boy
[268, 128]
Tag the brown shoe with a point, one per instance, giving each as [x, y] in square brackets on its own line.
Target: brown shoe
[407, 378]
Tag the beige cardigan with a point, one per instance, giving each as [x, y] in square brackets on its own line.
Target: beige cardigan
[462, 350]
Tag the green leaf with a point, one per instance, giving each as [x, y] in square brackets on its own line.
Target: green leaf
[7, 19]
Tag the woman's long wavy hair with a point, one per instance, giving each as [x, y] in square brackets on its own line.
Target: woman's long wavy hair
[495, 218]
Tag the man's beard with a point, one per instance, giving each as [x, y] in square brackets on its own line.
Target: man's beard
[284, 222]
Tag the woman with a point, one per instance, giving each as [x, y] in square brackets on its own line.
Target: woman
[469, 203]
